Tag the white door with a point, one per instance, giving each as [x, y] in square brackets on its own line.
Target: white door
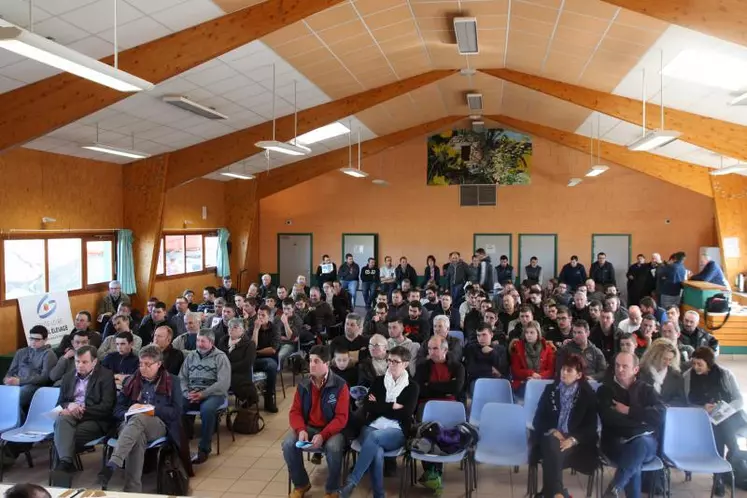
[545, 248]
[617, 247]
[294, 258]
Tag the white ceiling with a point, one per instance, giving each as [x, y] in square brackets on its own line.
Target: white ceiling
[678, 94]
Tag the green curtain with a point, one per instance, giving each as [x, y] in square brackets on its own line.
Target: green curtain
[125, 262]
[223, 265]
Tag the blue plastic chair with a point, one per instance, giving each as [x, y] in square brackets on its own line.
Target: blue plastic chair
[448, 414]
[355, 448]
[532, 393]
[458, 334]
[111, 443]
[488, 391]
[222, 410]
[10, 408]
[38, 427]
[503, 438]
[697, 452]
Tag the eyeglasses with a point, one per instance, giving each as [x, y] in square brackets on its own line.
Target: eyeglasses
[31, 338]
[377, 345]
[563, 318]
[394, 362]
[147, 365]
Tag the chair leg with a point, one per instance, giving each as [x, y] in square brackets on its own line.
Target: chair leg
[2, 452]
[467, 478]
[402, 478]
[282, 382]
[590, 485]
[732, 483]
[28, 459]
[217, 430]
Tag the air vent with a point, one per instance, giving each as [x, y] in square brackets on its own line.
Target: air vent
[193, 107]
[465, 31]
[474, 101]
[478, 195]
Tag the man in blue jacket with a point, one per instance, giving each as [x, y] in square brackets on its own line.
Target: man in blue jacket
[150, 386]
[573, 274]
[711, 272]
[670, 280]
[348, 274]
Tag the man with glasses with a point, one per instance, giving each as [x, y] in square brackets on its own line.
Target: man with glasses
[377, 324]
[110, 303]
[149, 407]
[563, 334]
[31, 365]
[375, 365]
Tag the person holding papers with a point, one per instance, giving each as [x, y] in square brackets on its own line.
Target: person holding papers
[148, 407]
[715, 388]
[632, 414]
[326, 271]
[87, 398]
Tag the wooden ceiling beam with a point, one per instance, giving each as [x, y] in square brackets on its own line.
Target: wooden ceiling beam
[720, 18]
[204, 158]
[715, 135]
[682, 174]
[272, 182]
[39, 108]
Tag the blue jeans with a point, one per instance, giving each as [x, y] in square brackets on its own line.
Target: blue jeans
[374, 442]
[208, 408]
[388, 288]
[285, 351]
[269, 366]
[352, 287]
[457, 295]
[629, 458]
[368, 289]
[333, 448]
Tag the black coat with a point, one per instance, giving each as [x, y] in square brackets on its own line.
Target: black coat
[646, 409]
[242, 359]
[440, 390]
[101, 395]
[408, 398]
[582, 424]
[673, 388]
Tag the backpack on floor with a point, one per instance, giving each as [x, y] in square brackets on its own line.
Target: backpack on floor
[173, 479]
[245, 421]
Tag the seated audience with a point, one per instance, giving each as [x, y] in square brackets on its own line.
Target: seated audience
[123, 361]
[267, 341]
[377, 324]
[204, 380]
[123, 310]
[565, 427]
[320, 316]
[484, 359]
[648, 307]
[670, 330]
[32, 365]
[178, 314]
[156, 318]
[210, 320]
[694, 336]
[445, 308]
[66, 363]
[207, 306]
[632, 414]
[532, 357]
[399, 308]
[109, 345]
[188, 341]
[580, 307]
[241, 353]
[396, 333]
[660, 367]
[87, 398]
[343, 367]
[604, 334]
[490, 317]
[673, 315]
[430, 303]
[613, 303]
[110, 303]
[288, 325]
[83, 323]
[645, 334]
[375, 365]
[320, 411]
[708, 383]
[633, 322]
[353, 339]
[592, 293]
[171, 358]
[594, 363]
[151, 384]
[516, 327]
[389, 408]
[416, 325]
[595, 313]
[563, 334]
[267, 288]
[441, 328]
[226, 291]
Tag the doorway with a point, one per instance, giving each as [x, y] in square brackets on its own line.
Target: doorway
[618, 249]
[294, 257]
[362, 246]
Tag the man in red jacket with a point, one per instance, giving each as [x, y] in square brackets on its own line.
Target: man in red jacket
[318, 416]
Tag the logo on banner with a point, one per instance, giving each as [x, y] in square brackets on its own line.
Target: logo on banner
[46, 307]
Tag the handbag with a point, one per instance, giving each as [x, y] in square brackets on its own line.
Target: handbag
[245, 421]
[718, 303]
[173, 479]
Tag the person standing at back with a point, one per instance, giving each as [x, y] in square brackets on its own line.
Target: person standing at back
[602, 272]
[533, 271]
[487, 272]
[349, 275]
[572, 274]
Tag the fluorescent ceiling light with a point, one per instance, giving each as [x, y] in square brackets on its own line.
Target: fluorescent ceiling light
[324, 133]
[597, 170]
[465, 30]
[654, 139]
[574, 181]
[116, 151]
[709, 69]
[735, 168]
[238, 175]
[380, 182]
[193, 107]
[740, 100]
[53, 54]
[355, 173]
[283, 147]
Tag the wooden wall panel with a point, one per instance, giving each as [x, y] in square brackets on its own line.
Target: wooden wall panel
[242, 220]
[730, 201]
[168, 290]
[185, 203]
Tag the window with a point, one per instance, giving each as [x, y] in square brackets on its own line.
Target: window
[35, 264]
[187, 253]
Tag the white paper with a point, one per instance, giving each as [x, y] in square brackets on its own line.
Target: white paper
[327, 268]
[140, 409]
[721, 412]
[54, 412]
[731, 247]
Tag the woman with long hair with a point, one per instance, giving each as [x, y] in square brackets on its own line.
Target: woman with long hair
[532, 357]
[432, 272]
[565, 427]
[660, 367]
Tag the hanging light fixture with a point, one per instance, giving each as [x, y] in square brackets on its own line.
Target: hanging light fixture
[28, 44]
[291, 149]
[116, 151]
[239, 176]
[734, 168]
[655, 138]
[350, 171]
[597, 168]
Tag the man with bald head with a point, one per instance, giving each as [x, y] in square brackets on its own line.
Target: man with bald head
[172, 358]
[633, 322]
[632, 414]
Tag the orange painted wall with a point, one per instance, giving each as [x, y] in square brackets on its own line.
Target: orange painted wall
[185, 203]
[415, 220]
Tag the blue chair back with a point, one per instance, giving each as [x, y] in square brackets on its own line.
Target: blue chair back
[458, 334]
[504, 427]
[489, 391]
[44, 401]
[10, 408]
[532, 393]
[446, 413]
[698, 444]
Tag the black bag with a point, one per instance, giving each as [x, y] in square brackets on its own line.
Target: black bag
[173, 479]
[245, 421]
[718, 303]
